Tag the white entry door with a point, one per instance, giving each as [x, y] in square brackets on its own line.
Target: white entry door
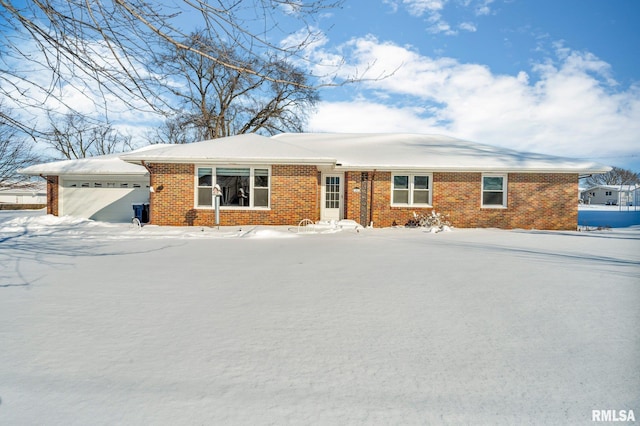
[332, 196]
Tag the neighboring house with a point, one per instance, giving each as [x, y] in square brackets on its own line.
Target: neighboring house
[24, 194]
[369, 178]
[616, 195]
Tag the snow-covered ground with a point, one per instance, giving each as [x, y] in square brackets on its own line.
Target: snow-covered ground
[103, 324]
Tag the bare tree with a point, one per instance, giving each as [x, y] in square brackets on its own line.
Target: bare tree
[104, 47]
[173, 132]
[16, 152]
[616, 176]
[218, 101]
[77, 137]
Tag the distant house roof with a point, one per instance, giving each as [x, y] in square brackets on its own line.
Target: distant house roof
[23, 187]
[355, 151]
[613, 188]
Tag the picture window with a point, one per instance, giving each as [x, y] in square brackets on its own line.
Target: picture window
[239, 186]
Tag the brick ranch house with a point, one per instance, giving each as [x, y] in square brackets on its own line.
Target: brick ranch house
[369, 178]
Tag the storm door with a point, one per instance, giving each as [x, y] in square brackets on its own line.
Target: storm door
[332, 197]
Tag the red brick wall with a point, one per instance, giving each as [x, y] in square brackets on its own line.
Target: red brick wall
[534, 201]
[172, 200]
[352, 204]
[294, 196]
[52, 195]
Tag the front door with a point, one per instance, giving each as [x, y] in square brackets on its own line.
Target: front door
[332, 196]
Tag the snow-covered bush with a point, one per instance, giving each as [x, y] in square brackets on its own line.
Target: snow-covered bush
[435, 221]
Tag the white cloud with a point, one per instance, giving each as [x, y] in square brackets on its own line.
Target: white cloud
[430, 8]
[468, 26]
[420, 7]
[291, 7]
[483, 7]
[393, 4]
[566, 106]
[434, 9]
[439, 25]
[364, 116]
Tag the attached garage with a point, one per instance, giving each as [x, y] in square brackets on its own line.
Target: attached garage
[103, 198]
[100, 188]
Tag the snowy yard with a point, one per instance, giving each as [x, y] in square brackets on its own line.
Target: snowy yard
[103, 324]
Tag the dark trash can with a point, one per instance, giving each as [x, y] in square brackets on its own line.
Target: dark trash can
[141, 212]
[138, 212]
[145, 213]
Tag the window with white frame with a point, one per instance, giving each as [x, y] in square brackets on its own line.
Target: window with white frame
[411, 189]
[239, 186]
[260, 188]
[494, 191]
[205, 187]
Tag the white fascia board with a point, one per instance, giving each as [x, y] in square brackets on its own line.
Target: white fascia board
[45, 172]
[84, 166]
[98, 173]
[104, 176]
[464, 169]
[234, 160]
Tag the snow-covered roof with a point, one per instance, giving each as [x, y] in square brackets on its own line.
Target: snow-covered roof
[397, 151]
[109, 164]
[347, 151]
[365, 151]
[246, 148]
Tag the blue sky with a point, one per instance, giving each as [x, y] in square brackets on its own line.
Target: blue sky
[560, 77]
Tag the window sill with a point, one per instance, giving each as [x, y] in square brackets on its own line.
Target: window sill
[417, 206]
[233, 208]
[494, 207]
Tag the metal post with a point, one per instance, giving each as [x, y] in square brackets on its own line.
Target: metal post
[217, 194]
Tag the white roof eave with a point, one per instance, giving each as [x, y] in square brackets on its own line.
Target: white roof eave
[231, 160]
[426, 168]
[42, 171]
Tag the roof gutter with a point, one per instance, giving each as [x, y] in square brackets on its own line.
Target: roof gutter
[230, 160]
[582, 172]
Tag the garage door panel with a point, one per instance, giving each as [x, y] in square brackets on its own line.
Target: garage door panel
[103, 204]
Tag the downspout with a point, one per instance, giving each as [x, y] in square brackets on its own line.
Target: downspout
[151, 190]
[373, 178]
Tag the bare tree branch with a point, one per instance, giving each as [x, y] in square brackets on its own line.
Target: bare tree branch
[76, 136]
[616, 176]
[106, 46]
[218, 101]
[16, 152]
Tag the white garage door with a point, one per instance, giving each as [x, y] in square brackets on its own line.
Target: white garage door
[107, 200]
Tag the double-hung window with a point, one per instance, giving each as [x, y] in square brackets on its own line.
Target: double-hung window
[494, 191]
[239, 186]
[411, 189]
[260, 188]
[205, 186]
